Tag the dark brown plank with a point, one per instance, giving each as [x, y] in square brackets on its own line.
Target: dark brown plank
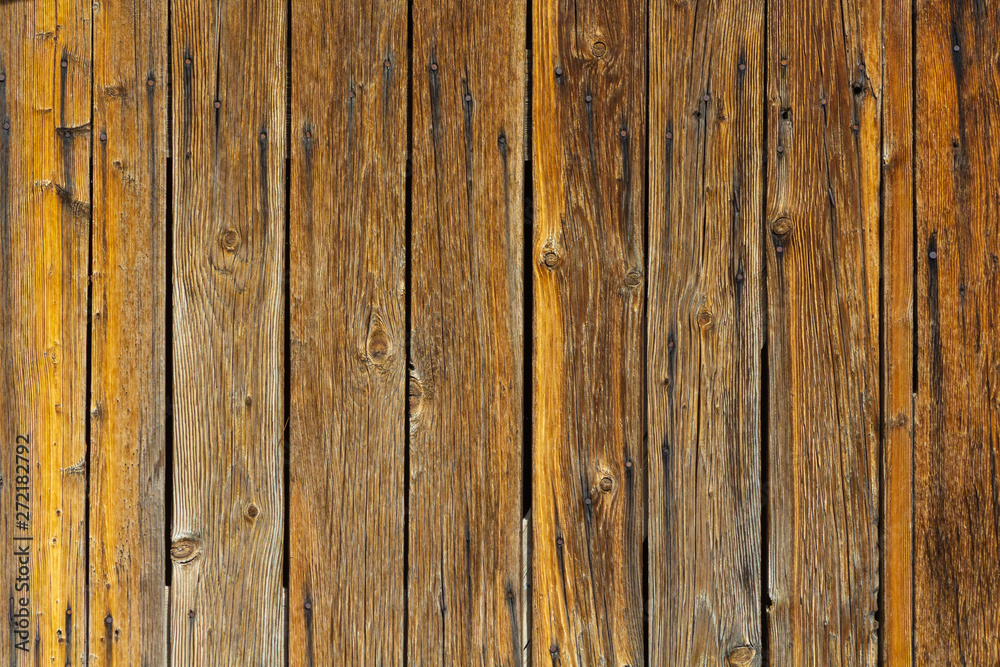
[348, 330]
[825, 79]
[956, 501]
[129, 284]
[45, 86]
[896, 625]
[229, 66]
[465, 387]
[706, 330]
[588, 502]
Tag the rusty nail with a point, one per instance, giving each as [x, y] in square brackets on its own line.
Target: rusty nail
[822, 101]
[309, 605]
[559, 542]
[933, 254]
[628, 464]
[553, 649]
[706, 97]
[187, 61]
[624, 132]
[3, 77]
[781, 149]
[150, 82]
[263, 136]
[588, 98]
[854, 127]
[739, 276]
[6, 125]
[69, 611]
[387, 63]
[670, 135]
[502, 140]
[108, 620]
[104, 136]
[743, 67]
[861, 67]
[434, 67]
[218, 104]
[190, 613]
[510, 595]
[468, 98]
[784, 61]
[559, 71]
[779, 249]
[351, 94]
[64, 64]
[670, 343]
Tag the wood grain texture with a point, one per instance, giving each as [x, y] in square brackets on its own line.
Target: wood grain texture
[896, 623]
[588, 502]
[228, 71]
[127, 365]
[465, 386]
[348, 330]
[45, 79]
[822, 220]
[956, 498]
[705, 331]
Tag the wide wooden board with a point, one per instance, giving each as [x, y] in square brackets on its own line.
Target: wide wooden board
[348, 332]
[825, 83]
[588, 259]
[466, 336]
[705, 332]
[228, 65]
[128, 356]
[45, 86]
[956, 498]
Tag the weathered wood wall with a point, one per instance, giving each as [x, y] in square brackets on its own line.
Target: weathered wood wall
[525, 332]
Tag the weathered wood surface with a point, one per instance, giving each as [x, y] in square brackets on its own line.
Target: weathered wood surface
[705, 332]
[228, 64]
[466, 336]
[588, 258]
[348, 332]
[956, 498]
[897, 351]
[128, 310]
[45, 84]
[825, 74]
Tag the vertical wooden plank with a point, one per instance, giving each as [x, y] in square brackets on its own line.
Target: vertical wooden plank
[465, 387]
[348, 330]
[957, 506]
[228, 72]
[127, 550]
[589, 117]
[706, 317]
[45, 83]
[823, 150]
[897, 333]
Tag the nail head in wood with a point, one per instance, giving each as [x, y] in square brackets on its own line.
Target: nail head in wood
[468, 98]
[956, 48]
[932, 254]
[559, 71]
[104, 136]
[217, 104]
[781, 149]
[190, 613]
[779, 249]
[624, 132]
[434, 67]
[743, 67]
[589, 98]
[64, 64]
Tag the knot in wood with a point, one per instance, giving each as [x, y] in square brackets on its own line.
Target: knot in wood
[599, 49]
[633, 278]
[230, 240]
[415, 393]
[378, 345]
[550, 259]
[607, 484]
[741, 656]
[252, 511]
[705, 318]
[781, 227]
[185, 550]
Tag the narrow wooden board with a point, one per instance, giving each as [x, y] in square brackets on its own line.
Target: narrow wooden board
[228, 72]
[128, 283]
[466, 338]
[822, 241]
[957, 442]
[705, 332]
[348, 332]
[896, 625]
[588, 499]
[45, 84]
